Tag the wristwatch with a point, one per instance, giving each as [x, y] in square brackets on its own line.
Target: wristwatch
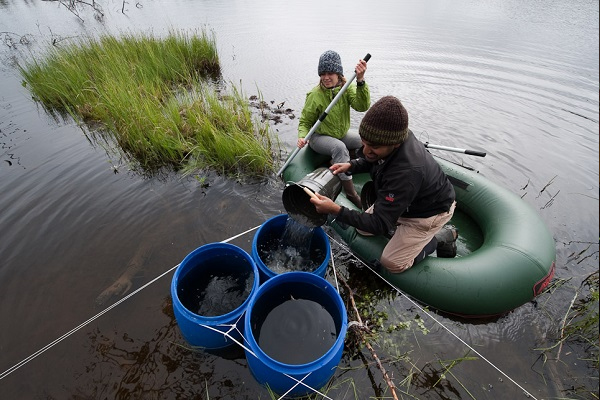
[360, 83]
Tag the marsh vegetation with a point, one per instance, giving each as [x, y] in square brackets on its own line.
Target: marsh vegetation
[160, 100]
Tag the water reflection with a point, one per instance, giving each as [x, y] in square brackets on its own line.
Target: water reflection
[161, 367]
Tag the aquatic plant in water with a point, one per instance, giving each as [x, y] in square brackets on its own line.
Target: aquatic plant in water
[156, 98]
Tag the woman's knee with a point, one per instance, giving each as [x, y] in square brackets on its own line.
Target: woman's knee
[339, 153]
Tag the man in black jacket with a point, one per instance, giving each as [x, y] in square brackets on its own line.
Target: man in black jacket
[414, 198]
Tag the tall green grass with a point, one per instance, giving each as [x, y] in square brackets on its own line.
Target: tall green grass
[156, 98]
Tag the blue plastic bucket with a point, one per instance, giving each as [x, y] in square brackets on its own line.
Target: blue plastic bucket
[270, 370]
[272, 230]
[213, 268]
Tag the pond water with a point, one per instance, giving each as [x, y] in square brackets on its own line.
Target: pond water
[517, 79]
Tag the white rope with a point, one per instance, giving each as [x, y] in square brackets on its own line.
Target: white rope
[334, 273]
[435, 320]
[234, 326]
[80, 326]
[72, 331]
[299, 382]
[226, 334]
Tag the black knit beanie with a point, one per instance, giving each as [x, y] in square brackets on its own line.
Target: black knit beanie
[385, 123]
[330, 61]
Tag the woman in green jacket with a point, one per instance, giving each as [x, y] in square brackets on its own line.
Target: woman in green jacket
[333, 138]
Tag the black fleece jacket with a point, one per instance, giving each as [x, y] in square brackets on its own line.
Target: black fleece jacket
[408, 183]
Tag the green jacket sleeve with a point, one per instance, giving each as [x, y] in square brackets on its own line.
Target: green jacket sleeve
[360, 99]
[314, 105]
[337, 122]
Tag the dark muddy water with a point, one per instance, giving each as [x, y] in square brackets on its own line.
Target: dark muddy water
[79, 230]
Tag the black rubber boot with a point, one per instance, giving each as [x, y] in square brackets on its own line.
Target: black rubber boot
[427, 250]
[446, 238]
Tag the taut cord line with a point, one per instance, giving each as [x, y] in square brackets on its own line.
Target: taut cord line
[337, 286]
[77, 328]
[436, 321]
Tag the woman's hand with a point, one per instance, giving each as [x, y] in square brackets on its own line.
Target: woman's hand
[301, 142]
[360, 70]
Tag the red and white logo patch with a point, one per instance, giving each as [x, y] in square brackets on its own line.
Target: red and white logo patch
[390, 197]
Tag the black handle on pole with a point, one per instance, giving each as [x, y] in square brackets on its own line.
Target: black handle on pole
[367, 57]
[455, 149]
[475, 153]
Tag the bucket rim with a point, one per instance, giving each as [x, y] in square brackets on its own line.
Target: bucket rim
[316, 230]
[292, 194]
[236, 312]
[304, 277]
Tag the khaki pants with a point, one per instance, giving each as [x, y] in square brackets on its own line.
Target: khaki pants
[412, 234]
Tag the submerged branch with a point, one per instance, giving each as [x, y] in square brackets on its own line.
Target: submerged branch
[361, 326]
[547, 184]
[71, 5]
[549, 202]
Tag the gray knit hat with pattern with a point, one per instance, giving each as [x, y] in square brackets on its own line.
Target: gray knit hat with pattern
[385, 123]
[330, 61]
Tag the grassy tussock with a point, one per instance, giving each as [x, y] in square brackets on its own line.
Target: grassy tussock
[580, 324]
[154, 97]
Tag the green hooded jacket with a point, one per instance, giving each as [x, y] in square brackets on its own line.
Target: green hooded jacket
[337, 122]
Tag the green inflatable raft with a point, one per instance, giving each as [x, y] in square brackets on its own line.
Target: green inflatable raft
[506, 255]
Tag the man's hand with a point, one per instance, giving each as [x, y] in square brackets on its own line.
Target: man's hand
[340, 168]
[324, 205]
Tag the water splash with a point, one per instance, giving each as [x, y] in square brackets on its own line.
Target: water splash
[292, 251]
